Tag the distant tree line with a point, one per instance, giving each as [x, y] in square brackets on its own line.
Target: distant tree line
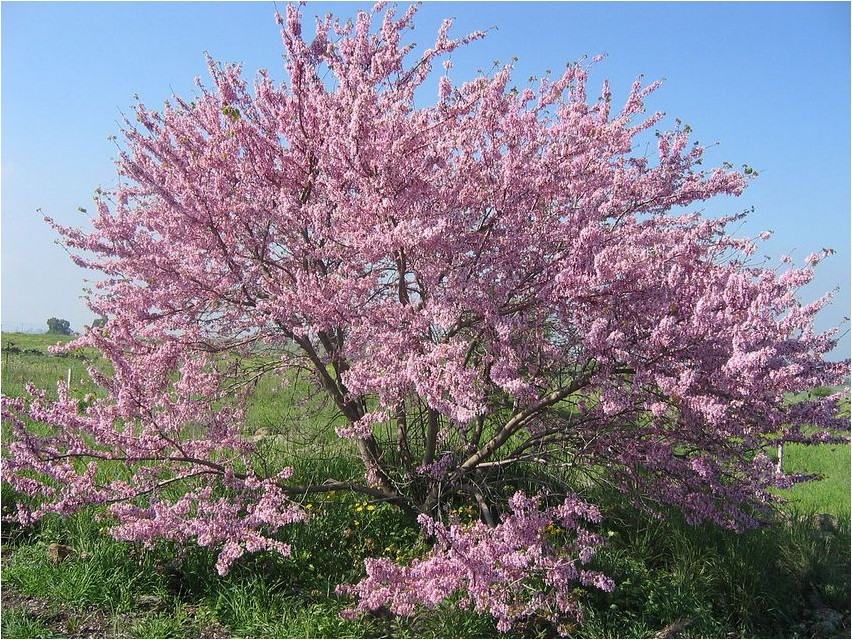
[59, 326]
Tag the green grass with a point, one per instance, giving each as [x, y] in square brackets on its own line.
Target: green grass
[25, 358]
[770, 582]
[38, 341]
[265, 595]
[828, 494]
[759, 584]
[762, 583]
[18, 623]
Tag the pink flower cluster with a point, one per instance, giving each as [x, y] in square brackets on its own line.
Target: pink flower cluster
[240, 524]
[513, 571]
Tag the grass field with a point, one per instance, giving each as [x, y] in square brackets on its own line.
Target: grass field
[25, 359]
[67, 578]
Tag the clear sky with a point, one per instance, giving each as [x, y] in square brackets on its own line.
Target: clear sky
[770, 81]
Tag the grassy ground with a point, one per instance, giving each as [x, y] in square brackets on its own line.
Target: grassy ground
[66, 578]
[25, 359]
[829, 493]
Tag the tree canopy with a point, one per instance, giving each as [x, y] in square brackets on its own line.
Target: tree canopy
[501, 280]
[59, 325]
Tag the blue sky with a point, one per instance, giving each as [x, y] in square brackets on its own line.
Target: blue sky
[769, 81]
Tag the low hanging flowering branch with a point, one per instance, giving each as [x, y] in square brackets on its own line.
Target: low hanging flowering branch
[493, 282]
[512, 570]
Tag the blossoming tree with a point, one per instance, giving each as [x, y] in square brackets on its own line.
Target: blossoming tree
[494, 281]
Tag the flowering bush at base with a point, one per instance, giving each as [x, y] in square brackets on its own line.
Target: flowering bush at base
[512, 571]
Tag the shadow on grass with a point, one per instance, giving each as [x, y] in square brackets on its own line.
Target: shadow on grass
[790, 579]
